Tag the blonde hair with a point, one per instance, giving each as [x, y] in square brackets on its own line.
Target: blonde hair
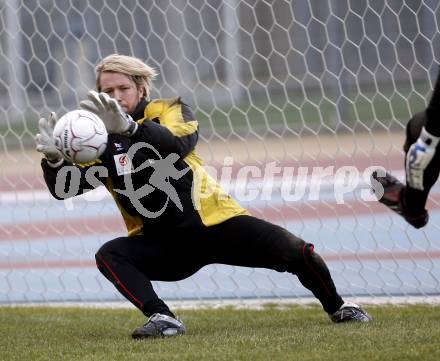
[136, 69]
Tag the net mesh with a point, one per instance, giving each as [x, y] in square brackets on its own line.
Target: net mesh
[290, 95]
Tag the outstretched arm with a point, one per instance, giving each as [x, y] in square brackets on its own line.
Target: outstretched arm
[68, 180]
[162, 138]
[175, 132]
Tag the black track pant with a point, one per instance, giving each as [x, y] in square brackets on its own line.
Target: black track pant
[415, 199]
[131, 263]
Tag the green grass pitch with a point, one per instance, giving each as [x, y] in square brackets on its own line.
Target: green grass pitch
[291, 333]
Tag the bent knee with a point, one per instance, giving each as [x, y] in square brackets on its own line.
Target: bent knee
[308, 250]
[298, 251]
[291, 247]
[109, 250]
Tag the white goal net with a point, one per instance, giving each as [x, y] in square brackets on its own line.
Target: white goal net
[295, 100]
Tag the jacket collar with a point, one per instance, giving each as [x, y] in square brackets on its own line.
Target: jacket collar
[138, 112]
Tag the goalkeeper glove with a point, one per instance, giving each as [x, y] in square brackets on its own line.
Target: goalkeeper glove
[419, 156]
[46, 142]
[108, 109]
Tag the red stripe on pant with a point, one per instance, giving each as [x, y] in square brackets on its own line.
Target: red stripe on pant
[312, 269]
[118, 281]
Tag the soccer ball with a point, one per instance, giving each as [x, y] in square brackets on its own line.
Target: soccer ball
[80, 136]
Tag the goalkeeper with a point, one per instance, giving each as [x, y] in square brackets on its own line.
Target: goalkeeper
[170, 239]
[422, 166]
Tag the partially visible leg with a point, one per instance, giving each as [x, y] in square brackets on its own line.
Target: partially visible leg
[428, 124]
[406, 201]
[415, 199]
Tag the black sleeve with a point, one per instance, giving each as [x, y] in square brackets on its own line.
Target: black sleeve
[70, 180]
[433, 110]
[178, 136]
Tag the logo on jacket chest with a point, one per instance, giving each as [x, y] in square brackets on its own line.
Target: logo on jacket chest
[119, 146]
[123, 164]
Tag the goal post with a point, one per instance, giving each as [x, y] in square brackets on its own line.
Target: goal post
[296, 101]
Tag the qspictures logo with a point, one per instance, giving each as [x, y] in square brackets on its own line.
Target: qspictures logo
[248, 184]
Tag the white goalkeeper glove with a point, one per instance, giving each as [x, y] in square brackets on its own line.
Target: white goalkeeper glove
[108, 109]
[46, 142]
[419, 156]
